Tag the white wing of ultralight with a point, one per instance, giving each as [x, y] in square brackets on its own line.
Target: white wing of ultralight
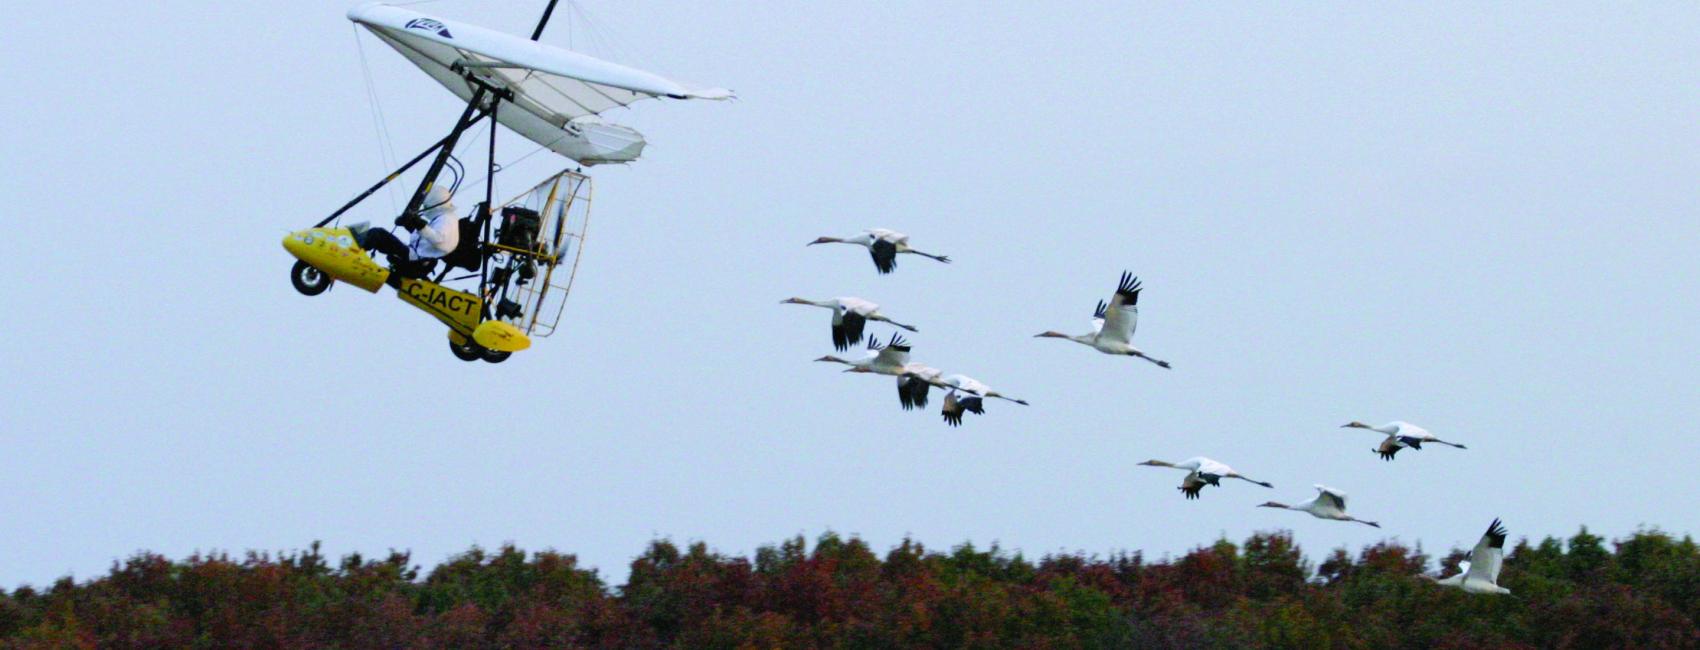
[555, 91]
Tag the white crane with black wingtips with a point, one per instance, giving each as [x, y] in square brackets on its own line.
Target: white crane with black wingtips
[850, 316]
[1113, 324]
[967, 395]
[1480, 575]
[1400, 435]
[1203, 471]
[1328, 503]
[883, 245]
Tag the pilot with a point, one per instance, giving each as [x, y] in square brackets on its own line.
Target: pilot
[436, 232]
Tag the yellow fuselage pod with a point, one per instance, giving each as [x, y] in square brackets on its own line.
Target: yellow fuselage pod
[333, 252]
[456, 309]
[500, 336]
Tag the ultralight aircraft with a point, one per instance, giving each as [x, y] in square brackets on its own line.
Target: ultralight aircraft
[524, 252]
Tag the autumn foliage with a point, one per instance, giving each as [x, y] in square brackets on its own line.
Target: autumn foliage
[1639, 592]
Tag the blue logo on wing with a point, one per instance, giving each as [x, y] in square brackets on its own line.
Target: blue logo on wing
[430, 26]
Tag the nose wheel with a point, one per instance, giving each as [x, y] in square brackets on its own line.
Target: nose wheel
[308, 280]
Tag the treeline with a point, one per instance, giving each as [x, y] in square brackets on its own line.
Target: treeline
[1639, 592]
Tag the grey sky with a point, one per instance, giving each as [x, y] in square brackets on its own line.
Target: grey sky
[1479, 219]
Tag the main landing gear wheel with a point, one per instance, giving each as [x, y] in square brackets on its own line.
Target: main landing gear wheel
[493, 356]
[469, 352]
[308, 280]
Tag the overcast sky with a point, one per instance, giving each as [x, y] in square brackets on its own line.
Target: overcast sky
[1479, 219]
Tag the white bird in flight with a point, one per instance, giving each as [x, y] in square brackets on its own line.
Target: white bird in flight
[882, 358]
[850, 316]
[1329, 503]
[914, 383]
[1480, 575]
[1113, 323]
[892, 358]
[967, 395]
[884, 245]
[1203, 471]
[1400, 435]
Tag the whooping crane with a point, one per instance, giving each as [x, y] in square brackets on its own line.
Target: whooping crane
[1203, 471]
[1400, 435]
[850, 315]
[967, 395]
[883, 358]
[913, 385]
[884, 245]
[1113, 323]
[1480, 575]
[1328, 503]
[892, 358]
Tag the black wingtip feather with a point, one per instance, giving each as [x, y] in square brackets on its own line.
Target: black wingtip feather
[951, 417]
[1496, 534]
[884, 254]
[973, 405]
[1128, 288]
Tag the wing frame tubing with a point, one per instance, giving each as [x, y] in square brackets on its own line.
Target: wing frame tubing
[446, 145]
[386, 181]
[469, 117]
[489, 215]
[544, 21]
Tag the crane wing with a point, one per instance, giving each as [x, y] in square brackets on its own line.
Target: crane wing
[894, 354]
[1192, 485]
[1211, 467]
[1486, 557]
[887, 234]
[1122, 315]
[884, 254]
[913, 385]
[1402, 428]
[858, 305]
[1332, 496]
[906, 392]
[847, 327]
[952, 410]
[1463, 568]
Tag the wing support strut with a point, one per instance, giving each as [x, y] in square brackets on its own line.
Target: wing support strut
[473, 114]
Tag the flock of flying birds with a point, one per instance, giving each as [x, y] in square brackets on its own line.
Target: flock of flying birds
[1113, 324]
